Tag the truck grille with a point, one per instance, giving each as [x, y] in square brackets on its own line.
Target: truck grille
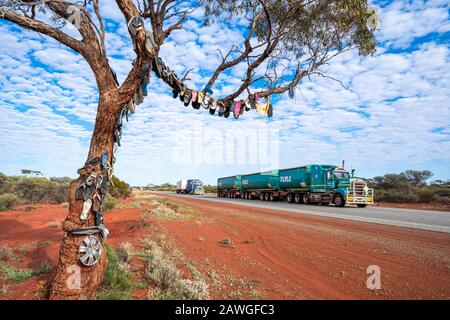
[358, 193]
[358, 188]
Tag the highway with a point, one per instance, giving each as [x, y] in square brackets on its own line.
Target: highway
[417, 219]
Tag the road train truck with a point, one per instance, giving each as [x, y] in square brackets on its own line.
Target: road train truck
[190, 186]
[314, 183]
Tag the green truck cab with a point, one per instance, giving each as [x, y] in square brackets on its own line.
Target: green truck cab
[325, 184]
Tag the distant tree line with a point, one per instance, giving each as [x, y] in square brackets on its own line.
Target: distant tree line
[172, 187]
[32, 188]
[161, 187]
[410, 186]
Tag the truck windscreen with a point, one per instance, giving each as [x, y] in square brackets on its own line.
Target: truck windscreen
[341, 175]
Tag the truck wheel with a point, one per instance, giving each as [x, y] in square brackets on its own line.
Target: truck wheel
[290, 198]
[361, 205]
[272, 197]
[306, 198]
[249, 196]
[339, 200]
[298, 198]
[261, 196]
[267, 196]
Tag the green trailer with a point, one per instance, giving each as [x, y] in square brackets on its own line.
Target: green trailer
[307, 184]
[229, 187]
[260, 185]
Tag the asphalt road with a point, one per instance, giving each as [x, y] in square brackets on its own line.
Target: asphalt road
[417, 219]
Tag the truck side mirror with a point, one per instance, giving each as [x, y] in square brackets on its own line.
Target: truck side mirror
[329, 175]
[353, 173]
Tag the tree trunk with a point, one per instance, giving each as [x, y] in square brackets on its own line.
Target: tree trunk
[73, 280]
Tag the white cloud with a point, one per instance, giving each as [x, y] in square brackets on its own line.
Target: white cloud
[403, 21]
[396, 117]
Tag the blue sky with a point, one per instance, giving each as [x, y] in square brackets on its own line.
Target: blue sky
[396, 117]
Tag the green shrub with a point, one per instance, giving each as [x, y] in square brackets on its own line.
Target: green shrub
[7, 201]
[210, 189]
[443, 199]
[34, 190]
[7, 183]
[61, 192]
[119, 188]
[14, 274]
[425, 195]
[395, 196]
[109, 202]
[118, 282]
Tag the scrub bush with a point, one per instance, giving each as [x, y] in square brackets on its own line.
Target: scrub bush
[118, 282]
[7, 201]
[119, 188]
[109, 203]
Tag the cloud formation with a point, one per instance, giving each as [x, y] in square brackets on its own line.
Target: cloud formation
[395, 117]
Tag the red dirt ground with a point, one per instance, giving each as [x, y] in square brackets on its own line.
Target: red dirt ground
[273, 254]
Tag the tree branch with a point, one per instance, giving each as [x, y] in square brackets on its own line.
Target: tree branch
[143, 57]
[41, 27]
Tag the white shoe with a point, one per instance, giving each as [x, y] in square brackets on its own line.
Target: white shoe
[86, 208]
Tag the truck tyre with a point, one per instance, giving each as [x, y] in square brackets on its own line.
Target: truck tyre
[306, 198]
[361, 205]
[261, 196]
[298, 198]
[272, 197]
[290, 197]
[338, 200]
[267, 196]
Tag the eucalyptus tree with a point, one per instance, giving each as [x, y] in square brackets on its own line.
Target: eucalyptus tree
[283, 41]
